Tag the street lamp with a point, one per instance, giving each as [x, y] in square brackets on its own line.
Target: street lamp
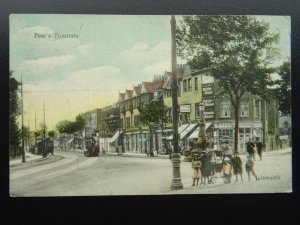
[176, 181]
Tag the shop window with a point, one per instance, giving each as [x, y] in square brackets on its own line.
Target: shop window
[244, 107]
[225, 109]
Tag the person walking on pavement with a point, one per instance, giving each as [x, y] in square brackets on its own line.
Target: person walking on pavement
[250, 167]
[259, 148]
[196, 165]
[250, 149]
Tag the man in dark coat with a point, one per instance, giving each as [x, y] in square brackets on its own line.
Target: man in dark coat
[250, 149]
[259, 148]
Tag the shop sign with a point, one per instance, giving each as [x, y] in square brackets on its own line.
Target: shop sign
[185, 108]
[207, 91]
[283, 137]
[224, 125]
[208, 116]
[208, 102]
[208, 112]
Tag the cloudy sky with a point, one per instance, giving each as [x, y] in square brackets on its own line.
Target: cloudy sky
[107, 54]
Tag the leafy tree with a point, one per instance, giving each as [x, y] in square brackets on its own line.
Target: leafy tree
[236, 50]
[152, 113]
[37, 133]
[283, 93]
[70, 127]
[43, 129]
[61, 126]
[80, 122]
[14, 112]
[51, 134]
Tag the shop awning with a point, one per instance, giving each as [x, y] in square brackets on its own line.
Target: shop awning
[196, 132]
[188, 130]
[115, 137]
[180, 130]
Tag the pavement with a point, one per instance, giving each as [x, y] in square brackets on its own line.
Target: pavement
[28, 157]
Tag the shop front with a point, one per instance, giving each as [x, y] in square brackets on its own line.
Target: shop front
[224, 133]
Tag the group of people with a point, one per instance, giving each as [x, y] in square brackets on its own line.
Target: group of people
[231, 165]
[203, 168]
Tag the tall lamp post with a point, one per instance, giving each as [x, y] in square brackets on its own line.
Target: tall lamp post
[176, 180]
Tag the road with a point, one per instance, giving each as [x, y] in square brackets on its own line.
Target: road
[70, 173]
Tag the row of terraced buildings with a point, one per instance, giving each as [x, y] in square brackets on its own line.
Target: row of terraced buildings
[119, 125]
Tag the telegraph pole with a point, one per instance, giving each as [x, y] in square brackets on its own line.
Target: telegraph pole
[176, 181]
[34, 129]
[44, 130]
[23, 151]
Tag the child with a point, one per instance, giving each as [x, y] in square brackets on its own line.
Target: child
[250, 167]
[237, 166]
[227, 168]
[196, 165]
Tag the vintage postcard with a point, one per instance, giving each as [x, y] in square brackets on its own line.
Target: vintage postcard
[105, 105]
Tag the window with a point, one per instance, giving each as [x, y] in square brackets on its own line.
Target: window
[225, 109]
[184, 85]
[122, 121]
[226, 132]
[136, 121]
[168, 115]
[244, 106]
[189, 84]
[197, 111]
[179, 90]
[127, 122]
[257, 108]
[196, 83]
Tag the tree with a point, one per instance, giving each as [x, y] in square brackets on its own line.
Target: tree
[51, 134]
[69, 127]
[283, 92]
[14, 112]
[43, 129]
[61, 126]
[80, 122]
[152, 113]
[236, 50]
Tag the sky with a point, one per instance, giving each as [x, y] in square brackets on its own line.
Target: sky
[105, 55]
